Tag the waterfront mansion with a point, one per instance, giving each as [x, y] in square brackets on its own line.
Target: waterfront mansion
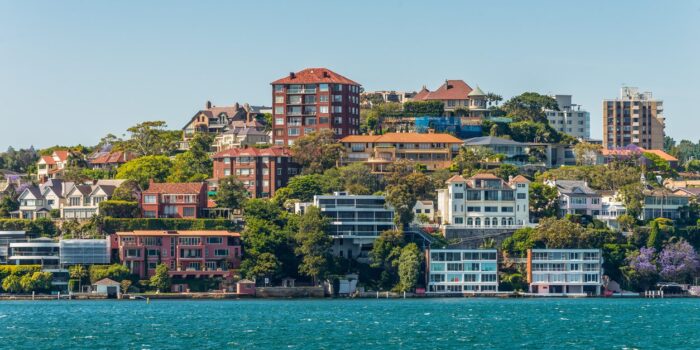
[484, 201]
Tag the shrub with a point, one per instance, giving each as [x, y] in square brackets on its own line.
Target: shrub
[112, 225]
[119, 209]
[114, 272]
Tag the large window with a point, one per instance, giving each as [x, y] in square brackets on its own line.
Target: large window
[149, 199]
[189, 240]
[215, 240]
[221, 252]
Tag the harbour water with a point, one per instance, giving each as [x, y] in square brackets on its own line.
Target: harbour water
[352, 324]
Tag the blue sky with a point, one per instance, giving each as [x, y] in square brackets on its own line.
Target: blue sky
[73, 71]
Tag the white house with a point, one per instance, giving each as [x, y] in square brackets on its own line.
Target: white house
[484, 201]
[82, 201]
[426, 208]
[48, 167]
[462, 270]
[37, 201]
[565, 271]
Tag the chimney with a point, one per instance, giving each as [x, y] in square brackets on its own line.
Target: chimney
[292, 75]
[447, 84]
[207, 105]
[326, 74]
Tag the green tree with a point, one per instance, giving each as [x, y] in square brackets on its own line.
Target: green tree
[125, 285]
[144, 169]
[420, 108]
[544, 200]
[385, 253]
[8, 204]
[530, 106]
[313, 243]
[231, 193]
[586, 153]
[409, 267]
[151, 138]
[194, 165]
[356, 179]
[560, 233]
[12, 284]
[632, 196]
[161, 279]
[115, 272]
[119, 209]
[317, 151]
[304, 187]
[263, 265]
[127, 191]
[79, 273]
[402, 198]
[521, 240]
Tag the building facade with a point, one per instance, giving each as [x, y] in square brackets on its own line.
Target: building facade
[570, 118]
[435, 151]
[634, 118]
[188, 254]
[312, 100]
[174, 200]
[262, 171]
[484, 201]
[84, 252]
[216, 120]
[575, 197]
[565, 271]
[49, 167]
[462, 270]
[356, 221]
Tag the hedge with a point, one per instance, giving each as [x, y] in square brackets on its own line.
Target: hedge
[43, 226]
[112, 225]
[119, 209]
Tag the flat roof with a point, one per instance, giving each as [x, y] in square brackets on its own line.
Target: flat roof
[180, 233]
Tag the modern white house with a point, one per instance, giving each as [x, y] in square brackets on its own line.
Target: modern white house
[84, 251]
[462, 270]
[484, 201]
[565, 271]
[611, 209]
[356, 221]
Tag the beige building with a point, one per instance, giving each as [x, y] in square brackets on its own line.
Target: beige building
[634, 118]
[435, 151]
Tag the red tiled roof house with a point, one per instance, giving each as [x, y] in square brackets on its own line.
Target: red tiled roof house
[174, 200]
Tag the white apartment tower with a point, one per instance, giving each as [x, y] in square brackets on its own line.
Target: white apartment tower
[570, 118]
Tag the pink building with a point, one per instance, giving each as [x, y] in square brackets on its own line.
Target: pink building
[188, 254]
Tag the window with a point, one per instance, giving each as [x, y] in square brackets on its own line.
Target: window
[279, 121]
[323, 98]
[457, 195]
[152, 265]
[149, 214]
[279, 110]
[322, 87]
[221, 252]
[323, 109]
[215, 240]
[227, 172]
[189, 241]
[153, 252]
[521, 195]
[279, 88]
[337, 109]
[279, 99]
[149, 199]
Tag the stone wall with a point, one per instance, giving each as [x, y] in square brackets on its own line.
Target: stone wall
[289, 292]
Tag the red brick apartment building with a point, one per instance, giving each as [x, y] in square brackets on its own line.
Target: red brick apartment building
[262, 171]
[174, 200]
[311, 100]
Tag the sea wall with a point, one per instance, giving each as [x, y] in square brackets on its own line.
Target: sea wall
[289, 292]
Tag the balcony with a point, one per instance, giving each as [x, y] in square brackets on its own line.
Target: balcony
[300, 91]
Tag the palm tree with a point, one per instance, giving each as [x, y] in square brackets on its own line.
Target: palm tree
[78, 272]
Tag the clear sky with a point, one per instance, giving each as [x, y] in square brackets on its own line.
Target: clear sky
[74, 71]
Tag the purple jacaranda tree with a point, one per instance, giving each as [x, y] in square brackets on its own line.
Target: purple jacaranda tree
[641, 270]
[678, 262]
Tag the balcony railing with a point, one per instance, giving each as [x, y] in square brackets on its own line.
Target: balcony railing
[301, 91]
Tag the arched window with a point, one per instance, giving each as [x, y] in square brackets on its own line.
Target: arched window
[477, 222]
[487, 222]
[470, 222]
[503, 221]
[510, 221]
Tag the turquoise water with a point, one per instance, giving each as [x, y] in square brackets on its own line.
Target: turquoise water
[352, 324]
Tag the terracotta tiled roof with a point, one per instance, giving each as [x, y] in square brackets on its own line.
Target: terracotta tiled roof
[274, 151]
[665, 156]
[61, 154]
[116, 157]
[485, 176]
[408, 137]
[180, 233]
[450, 90]
[48, 160]
[456, 178]
[176, 188]
[421, 94]
[520, 178]
[315, 75]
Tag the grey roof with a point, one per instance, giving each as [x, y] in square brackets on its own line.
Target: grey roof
[575, 187]
[477, 92]
[490, 140]
[35, 191]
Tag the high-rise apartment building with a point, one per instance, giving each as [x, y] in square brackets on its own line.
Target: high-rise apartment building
[635, 118]
[311, 100]
[570, 118]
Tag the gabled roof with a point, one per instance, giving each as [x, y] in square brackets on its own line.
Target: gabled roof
[575, 187]
[61, 154]
[314, 76]
[491, 140]
[48, 159]
[275, 151]
[106, 282]
[450, 90]
[420, 95]
[663, 155]
[520, 179]
[456, 178]
[33, 190]
[115, 157]
[176, 188]
[485, 176]
[477, 92]
[404, 137]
